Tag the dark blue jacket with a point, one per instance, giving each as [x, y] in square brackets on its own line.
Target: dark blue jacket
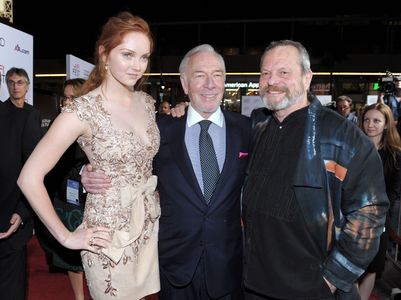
[339, 185]
[188, 227]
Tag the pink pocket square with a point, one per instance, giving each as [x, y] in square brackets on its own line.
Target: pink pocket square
[243, 154]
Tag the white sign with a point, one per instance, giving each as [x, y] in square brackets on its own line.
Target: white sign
[77, 68]
[16, 50]
[249, 103]
[371, 99]
[324, 99]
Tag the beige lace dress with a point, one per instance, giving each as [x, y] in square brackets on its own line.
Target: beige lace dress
[129, 269]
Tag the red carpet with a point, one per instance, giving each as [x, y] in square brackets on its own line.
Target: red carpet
[43, 285]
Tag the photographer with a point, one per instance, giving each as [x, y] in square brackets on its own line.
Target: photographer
[390, 94]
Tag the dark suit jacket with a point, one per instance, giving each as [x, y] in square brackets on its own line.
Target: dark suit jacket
[19, 134]
[190, 228]
[29, 107]
[26, 105]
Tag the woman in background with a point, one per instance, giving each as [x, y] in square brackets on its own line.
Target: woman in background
[66, 192]
[378, 124]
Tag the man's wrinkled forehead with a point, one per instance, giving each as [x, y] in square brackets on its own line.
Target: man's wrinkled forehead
[281, 57]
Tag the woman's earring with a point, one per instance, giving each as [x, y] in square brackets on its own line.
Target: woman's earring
[106, 67]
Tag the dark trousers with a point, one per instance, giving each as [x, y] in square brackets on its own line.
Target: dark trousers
[195, 290]
[338, 295]
[13, 275]
[253, 296]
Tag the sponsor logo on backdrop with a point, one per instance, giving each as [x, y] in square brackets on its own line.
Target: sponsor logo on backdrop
[2, 41]
[2, 74]
[76, 70]
[19, 49]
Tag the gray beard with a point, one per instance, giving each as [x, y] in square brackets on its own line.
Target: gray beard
[284, 104]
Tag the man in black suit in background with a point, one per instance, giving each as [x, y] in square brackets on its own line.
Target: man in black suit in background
[17, 81]
[19, 133]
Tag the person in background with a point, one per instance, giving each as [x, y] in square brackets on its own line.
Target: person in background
[71, 90]
[380, 99]
[19, 133]
[393, 100]
[344, 108]
[378, 124]
[17, 80]
[114, 123]
[18, 84]
[200, 237]
[63, 186]
[164, 107]
[314, 200]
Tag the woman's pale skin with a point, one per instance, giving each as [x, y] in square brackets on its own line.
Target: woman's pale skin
[125, 66]
[76, 277]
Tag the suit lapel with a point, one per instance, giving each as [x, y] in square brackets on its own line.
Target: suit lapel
[230, 162]
[180, 154]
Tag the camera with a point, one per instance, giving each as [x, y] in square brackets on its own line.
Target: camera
[387, 84]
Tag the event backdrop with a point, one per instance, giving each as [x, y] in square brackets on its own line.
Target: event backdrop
[16, 50]
[77, 68]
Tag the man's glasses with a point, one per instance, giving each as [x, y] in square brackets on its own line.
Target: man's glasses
[17, 83]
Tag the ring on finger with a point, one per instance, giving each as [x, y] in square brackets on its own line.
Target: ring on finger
[91, 241]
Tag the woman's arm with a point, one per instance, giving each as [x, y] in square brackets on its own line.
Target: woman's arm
[64, 131]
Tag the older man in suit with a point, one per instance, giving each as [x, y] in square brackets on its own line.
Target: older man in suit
[200, 237]
[200, 245]
[19, 133]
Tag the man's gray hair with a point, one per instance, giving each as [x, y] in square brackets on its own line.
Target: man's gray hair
[199, 49]
[304, 60]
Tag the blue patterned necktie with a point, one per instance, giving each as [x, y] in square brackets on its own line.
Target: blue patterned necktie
[208, 160]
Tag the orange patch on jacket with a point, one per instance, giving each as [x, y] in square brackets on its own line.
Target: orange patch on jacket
[338, 170]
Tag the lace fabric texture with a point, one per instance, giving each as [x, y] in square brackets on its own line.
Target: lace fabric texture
[129, 268]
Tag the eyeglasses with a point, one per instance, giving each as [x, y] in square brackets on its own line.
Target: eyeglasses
[67, 98]
[344, 107]
[17, 83]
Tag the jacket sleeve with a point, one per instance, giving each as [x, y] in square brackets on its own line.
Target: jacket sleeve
[32, 133]
[362, 211]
